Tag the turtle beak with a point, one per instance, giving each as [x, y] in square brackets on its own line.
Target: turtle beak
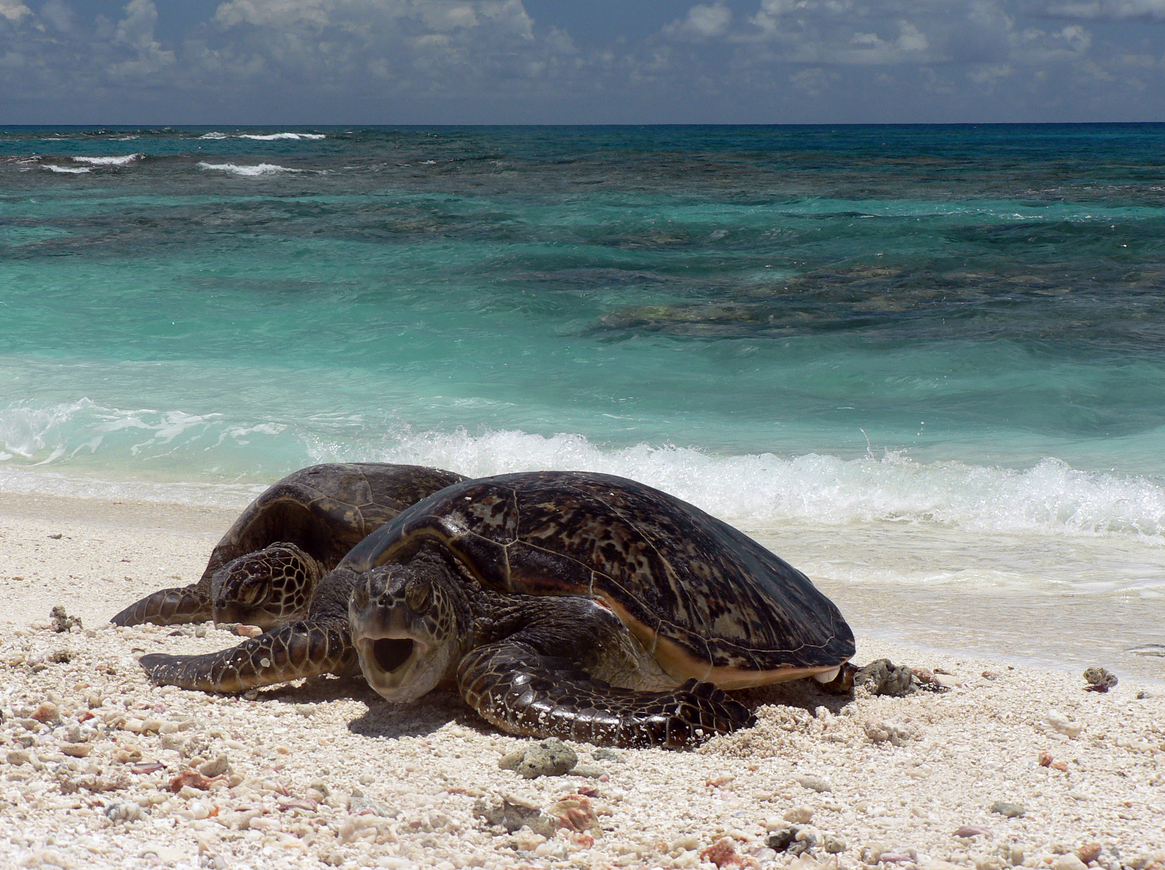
[391, 638]
[396, 668]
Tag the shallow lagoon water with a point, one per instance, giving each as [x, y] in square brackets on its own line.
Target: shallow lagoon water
[927, 363]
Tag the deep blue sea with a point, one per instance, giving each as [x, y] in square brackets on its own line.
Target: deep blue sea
[913, 356]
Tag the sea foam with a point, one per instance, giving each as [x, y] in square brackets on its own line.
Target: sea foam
[754, 491]
[278, 137]
[120, 160]
[247, 171]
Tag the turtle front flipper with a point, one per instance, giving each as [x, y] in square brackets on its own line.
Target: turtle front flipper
[175, 606]
[518, 689]
[300, 649]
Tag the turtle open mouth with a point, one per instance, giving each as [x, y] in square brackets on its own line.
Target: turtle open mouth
[392, 652]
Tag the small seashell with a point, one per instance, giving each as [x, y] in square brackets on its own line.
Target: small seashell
[799, 815]
[722, 853]
[813, 783]
[1007, 810]
[298, 804]
[1045, 758]
[1062, 724]
[896, 857]
[947, 681]
[192, 779]
[971, 831]
[1089, 852]
[123, 812]
[885, 731]
[47, 712]
[127, 754]
[834, 844]
[215, 767]
[576, 813]
[77, 750]
[148, 767]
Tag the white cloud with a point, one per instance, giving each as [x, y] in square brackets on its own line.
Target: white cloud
[1112, 10]
[844, 32]
[702, 22]
[136, 32]
[489, 60]
[13, 11]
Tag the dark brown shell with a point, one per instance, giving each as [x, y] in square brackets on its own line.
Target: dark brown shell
[679, 578]
[327, 509]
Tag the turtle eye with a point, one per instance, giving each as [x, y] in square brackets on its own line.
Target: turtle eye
[250, 591]
[417, 594]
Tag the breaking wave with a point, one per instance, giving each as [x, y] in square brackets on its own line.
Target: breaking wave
[122, 160]
[247, 171]
[754, 491]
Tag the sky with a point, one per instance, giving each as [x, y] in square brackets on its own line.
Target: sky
[322, 62]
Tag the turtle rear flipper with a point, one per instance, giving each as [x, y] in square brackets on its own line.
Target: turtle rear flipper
[175, 606]
[290, 652]
[513, 686]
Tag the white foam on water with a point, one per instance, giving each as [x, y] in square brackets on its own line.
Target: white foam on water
[66, 170]
[278, 137]
[122, 160]
[1048, 500]
[214, 137]
[764, 490]
[247, 171]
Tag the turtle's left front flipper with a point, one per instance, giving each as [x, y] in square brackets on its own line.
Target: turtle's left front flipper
[299, 649]
[514, 686]
[174, 606]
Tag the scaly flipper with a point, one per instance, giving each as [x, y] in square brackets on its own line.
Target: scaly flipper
[300, 649]
[514, 686]
[175, 606]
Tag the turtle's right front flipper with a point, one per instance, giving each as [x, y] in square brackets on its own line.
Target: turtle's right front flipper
[168, 607]
[299, 649]
[521, 690]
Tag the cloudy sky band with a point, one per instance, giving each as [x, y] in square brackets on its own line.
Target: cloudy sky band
[546, 61]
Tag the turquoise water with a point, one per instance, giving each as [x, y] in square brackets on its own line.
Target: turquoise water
[955, 330]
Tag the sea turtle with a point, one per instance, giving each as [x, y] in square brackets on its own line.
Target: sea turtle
[565, 604]
[265, 569]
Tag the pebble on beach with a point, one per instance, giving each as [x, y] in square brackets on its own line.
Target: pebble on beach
[1099, 679]
[549, 757]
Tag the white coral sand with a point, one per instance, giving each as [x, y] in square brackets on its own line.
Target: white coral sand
[99, 768]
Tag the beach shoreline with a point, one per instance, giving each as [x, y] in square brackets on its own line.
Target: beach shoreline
[92, 757]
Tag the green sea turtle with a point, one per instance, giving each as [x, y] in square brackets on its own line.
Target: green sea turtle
[265, 569]
[562, 604]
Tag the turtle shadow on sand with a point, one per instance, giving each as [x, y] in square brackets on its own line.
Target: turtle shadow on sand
[319, 689]
[387, 720]
[807, 695]
[380, 719]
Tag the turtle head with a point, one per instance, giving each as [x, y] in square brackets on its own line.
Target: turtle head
[267, 588]
[407, 622]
